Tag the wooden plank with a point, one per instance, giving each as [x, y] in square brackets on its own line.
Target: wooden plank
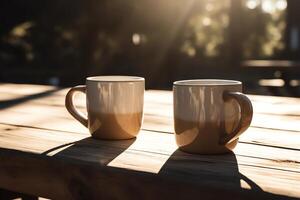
[266, 158]
[151, 95]
[64, 122]
[39, 141]
[28, 114]
[262, 104]
[156, 116]
[161, 111]
[156, 99]
[273, 138]
[24, 89]
[63, 179]
[162, 115]
[156, 153]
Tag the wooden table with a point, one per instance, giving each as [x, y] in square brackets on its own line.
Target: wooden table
[45, 152]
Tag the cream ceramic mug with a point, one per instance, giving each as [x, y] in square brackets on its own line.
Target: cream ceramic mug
[210, 115]
[114, 106]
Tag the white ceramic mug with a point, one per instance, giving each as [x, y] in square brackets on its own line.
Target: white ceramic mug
[114, 106]
[209, 115]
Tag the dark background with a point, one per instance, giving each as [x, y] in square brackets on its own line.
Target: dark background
[62, 42]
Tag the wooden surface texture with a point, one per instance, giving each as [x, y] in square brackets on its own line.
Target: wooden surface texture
[45, 152]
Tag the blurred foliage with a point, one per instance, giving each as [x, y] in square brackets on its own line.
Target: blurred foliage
[206, 31]
[264, 29]
[159, 40]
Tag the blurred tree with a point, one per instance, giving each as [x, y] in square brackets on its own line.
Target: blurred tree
[160, 40]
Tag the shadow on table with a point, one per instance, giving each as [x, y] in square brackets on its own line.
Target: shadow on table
[181, 176]
[19, 100]
[91, 149]
[214, 175]
[211, 169]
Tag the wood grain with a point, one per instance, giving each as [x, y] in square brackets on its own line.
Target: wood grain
[66, 179]
[43, 151]
[155, 153]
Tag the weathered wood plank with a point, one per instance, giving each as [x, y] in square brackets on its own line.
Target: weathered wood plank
[156, 118]
[269, 137]
[38, 136]
[152, 119]
[74, 180]
[279, 138]
[24, 89]
[158, 109]
[150, 152]
[156, 153]
[40, 141]
[262, 104]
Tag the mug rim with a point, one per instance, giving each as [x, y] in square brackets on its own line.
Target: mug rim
[115, 78]
[206, 82]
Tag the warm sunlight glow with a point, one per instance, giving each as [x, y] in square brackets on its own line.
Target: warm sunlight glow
[191, 52]
[268, 6]
[136, 39]
[295, 83]
[209, 7]
[21, 29]
[271, 82]
[206, 21]
[207, 29]
[251, 4]
[148, 153]
[281, 4]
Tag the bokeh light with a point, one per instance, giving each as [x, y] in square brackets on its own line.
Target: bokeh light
[268, 6]
[281, 4]
[136, 39]
[252, 4]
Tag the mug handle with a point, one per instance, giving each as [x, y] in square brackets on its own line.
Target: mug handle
[70, 104]
[246, 115]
